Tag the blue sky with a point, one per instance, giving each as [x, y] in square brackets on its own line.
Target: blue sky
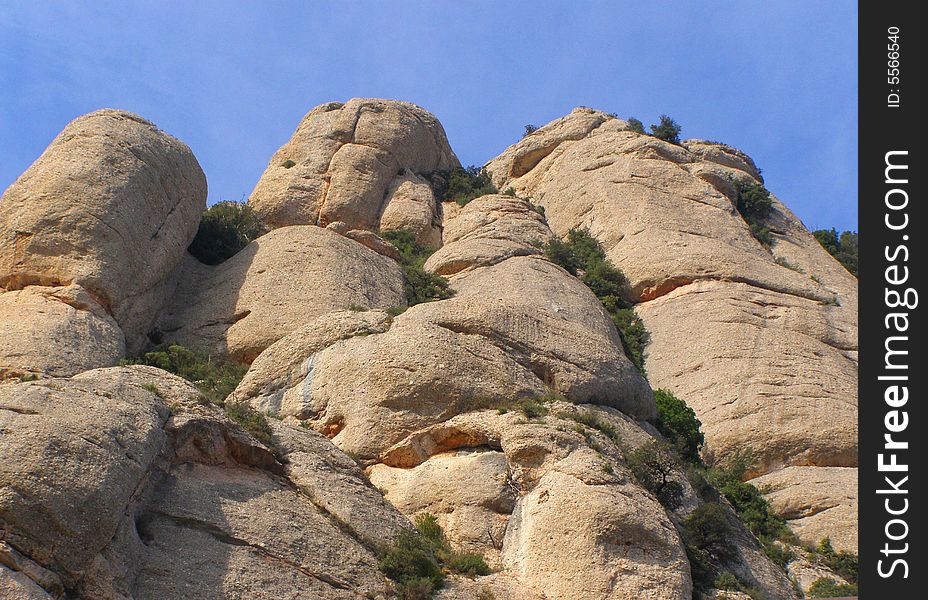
[232, 79]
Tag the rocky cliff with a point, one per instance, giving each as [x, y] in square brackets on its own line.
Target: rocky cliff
[505, 415]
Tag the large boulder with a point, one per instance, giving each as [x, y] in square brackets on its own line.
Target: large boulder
[119, 483]
[760, 341]
[278, 283]
[111, 205]
[57, 331]
[365, 163]
[516, 327]
[486, 231]
[552, 503]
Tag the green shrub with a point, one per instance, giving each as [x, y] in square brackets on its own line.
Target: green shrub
[707, 529]
[747, 500]
[634, 334]
[216, 378]
[251, 421]
[779, 554]
[654, 465]
[532, 408]
[727, 581]
[754, 203]
[225, 228]
[470, 564]
[843, 247]
[829, 588]
[635, 125]
[592, 420]
[582, 255]
[679, 424]
[530, 129]
[701, 569]
[667, 130]
[420, 285]
[417, 560]
[465, 184]
[411, 561]
[843, 563]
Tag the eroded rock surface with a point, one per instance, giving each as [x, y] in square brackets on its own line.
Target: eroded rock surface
[279, 282]
[760, 342]
[365, 163]
[152, 494]
[111, 205]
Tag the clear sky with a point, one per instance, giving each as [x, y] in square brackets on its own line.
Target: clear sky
[777, 79]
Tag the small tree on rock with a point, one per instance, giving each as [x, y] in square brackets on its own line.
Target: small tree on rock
[667, 130]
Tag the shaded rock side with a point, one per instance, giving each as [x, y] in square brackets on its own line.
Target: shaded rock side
[760, 342]
[155, 495]
[279, 282]
[111, 205]
[365, 163]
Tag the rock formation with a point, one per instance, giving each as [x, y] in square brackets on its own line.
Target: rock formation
[365, 163]
[770, 364]
[509, 410]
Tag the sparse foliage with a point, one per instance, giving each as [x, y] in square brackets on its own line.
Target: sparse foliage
[214, 377]
[679, 424]
[824, 587]
[755, 205]
[635, 125]
[655, 467]
[708, 531]
[417, 560]
[583, 256]
[530, 129]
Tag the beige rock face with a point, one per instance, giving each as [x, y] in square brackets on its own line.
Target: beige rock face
[287, 361]
[111, 205]
[486, 231]
[552, 325]
[73, 454]
[153, 495]
[362, 163]
[517, 329]
[281, 281]
[57, 331]
[762, 344]
[561, 519]
[817, 502]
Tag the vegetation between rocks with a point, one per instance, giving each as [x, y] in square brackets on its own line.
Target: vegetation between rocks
[635, 125]
[418, 560]
[755, 204]
[843, 246]
[466, 183]
[215, 378]
[420, 285]
[678, 423]
[667, 129]
[824, 587]
[225, 228]
[583, 256]
[843, 563]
